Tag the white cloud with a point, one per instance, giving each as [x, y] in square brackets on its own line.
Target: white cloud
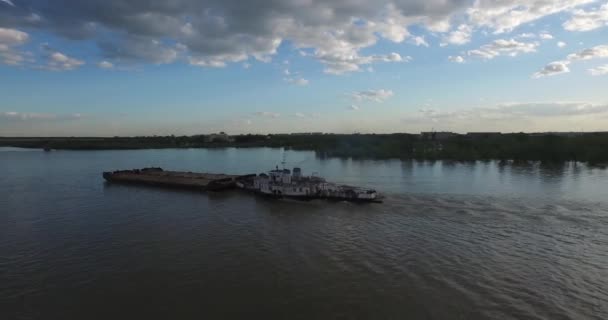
[306, 115]
[105, 65]
[582, 20]
[12, 37]
[500, 47]
[599, 71]
[510, 112]
[31, 116]
[460, 36]
[553, 68]
[506, 15]
[353, 107]
[543, 36]
[9, 39]
[60, 62]
[561, 44]
[380, 95]
[297, 81]
[590, 53]
[267, 114]
[9, 2]
[527, 35]
[457, 59]
[558, 67]
[343, 62]
[420, 41]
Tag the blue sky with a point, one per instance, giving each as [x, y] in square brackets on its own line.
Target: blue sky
[104, 68]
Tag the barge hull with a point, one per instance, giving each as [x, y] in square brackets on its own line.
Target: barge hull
[173, 179]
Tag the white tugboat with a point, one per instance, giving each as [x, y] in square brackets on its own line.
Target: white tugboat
[282, 183]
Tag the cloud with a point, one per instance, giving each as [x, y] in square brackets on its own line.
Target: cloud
[306, 115]
[9, 40]
[373, 95]
[550, 109]
[12, 37]
[553, 68]
[590, 53]
[9, 2]
[58, 61]
[500, 47]
[353, 107]
[297, 81]
[267, 114]
[506, 15]
[558, 67]
[599, 71]
[343, 62]
[138, 48]
[105, 65]
[457, 59]
[420, 41]
[582, 20]
[460, 36]
[32, 116]
[543, 36]
[561, 44]
[214, 33]
[516, 111]
[527, 35]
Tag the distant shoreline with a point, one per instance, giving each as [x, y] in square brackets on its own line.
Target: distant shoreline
[549, 147]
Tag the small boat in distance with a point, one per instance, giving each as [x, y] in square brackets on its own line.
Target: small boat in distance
[282, 183]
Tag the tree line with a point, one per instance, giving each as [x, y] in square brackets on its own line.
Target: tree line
[588, 147]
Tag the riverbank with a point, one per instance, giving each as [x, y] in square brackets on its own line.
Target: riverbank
[550, 147]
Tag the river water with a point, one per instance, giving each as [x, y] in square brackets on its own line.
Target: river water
[452, 241]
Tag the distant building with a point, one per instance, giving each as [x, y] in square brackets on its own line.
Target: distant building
[441, 135]
[218, 137]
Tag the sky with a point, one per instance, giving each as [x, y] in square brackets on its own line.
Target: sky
[183, 67]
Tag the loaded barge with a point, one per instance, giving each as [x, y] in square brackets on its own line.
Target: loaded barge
[174, 179]
[278, 183]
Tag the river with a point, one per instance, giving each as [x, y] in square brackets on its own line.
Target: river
[470, 240]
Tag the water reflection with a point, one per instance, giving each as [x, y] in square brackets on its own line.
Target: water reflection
[477, 240]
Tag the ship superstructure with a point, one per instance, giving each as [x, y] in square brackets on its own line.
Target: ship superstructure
[285, 183]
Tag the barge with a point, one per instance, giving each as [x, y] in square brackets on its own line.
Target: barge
[174, 179]
[278, 183]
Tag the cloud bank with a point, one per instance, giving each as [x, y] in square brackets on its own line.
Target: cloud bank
[214, 33]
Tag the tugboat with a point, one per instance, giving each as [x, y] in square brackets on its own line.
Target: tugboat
[281, 183]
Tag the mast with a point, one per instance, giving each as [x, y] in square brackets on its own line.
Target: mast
[284, 159]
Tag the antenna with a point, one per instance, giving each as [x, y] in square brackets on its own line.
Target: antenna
[284, 159]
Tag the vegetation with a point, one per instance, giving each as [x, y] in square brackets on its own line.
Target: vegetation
[589, 147]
